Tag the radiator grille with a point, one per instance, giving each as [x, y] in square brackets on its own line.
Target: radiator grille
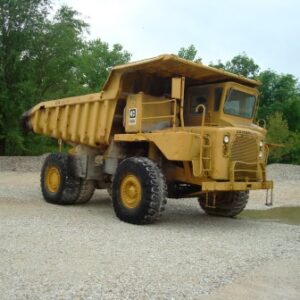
[245, 172]
[244, 148]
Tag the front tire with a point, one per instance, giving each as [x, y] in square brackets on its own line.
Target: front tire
[138, 191]
[228, 204]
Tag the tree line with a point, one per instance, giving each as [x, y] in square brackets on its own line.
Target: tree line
[46, 56]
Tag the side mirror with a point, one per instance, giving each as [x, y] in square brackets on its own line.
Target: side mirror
[177, 87]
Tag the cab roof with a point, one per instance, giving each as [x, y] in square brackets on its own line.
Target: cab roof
[169, 65]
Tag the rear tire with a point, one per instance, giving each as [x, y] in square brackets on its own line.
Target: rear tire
[228, 204]
[58, 183]
[87, 188]
[138, 191]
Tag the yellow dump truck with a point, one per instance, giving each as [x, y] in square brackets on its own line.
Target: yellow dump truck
[161, 127]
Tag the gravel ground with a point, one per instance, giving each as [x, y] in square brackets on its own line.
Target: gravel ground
[85, 252]
[286, 187]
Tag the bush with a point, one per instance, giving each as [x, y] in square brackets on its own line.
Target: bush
[287, 143]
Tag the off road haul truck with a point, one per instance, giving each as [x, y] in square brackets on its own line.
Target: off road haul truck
[161, 127]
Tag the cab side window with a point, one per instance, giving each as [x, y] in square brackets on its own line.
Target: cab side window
[196, 102]
[218, 97]
[198, 96]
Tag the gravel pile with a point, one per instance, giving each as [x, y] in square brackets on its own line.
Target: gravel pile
[21, 163]
[283, 172]
[286, 192]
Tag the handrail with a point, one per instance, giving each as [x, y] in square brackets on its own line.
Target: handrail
[157, 117]
[159, 102]
[203, 112]
[233, 169]
[205, 153]
[173, 116]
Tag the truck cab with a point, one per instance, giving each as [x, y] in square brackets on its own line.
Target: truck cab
[225, 104]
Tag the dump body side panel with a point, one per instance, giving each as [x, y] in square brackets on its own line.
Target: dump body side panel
[83, 120]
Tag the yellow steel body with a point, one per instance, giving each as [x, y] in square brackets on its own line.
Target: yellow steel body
[83, 120]
[88, 119]
[196, 140]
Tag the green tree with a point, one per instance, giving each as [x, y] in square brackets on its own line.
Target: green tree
[293, 153]
[20, 21]
[240, 64]
[44, 58]
[292, 113]
[51, 65]
[278, 133]
[37, 56]
[281, 93]
[95, 60]
[288, 142]
[189, 53]
[54, 60]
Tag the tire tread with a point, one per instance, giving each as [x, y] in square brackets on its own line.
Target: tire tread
[154, 194]
[229, 204]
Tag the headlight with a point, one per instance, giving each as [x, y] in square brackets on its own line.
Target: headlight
[260, 154]
[261, 143]
[226, 139]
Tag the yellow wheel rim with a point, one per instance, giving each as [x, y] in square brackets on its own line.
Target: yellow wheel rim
[52, 179]
[131, 191]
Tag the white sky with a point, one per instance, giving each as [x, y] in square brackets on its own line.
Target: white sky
[267, 30]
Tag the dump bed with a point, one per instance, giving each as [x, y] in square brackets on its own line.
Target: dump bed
[81, 120]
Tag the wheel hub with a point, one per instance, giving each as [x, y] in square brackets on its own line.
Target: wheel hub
[53, 179]
[131, 191]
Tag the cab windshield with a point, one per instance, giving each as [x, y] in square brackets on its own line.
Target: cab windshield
[240, 104]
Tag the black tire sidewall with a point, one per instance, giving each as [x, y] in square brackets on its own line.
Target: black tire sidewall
[135, 166]
[68, 188]
[58, 161]
[229, 204]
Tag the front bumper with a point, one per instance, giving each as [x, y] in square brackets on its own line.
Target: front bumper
[210, 186]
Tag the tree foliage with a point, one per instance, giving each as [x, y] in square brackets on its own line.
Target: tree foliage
[20, 21]
[240, 64]
[95, 61]
[278, 134]
[45, 58]
[189, 53]
[280, 93]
